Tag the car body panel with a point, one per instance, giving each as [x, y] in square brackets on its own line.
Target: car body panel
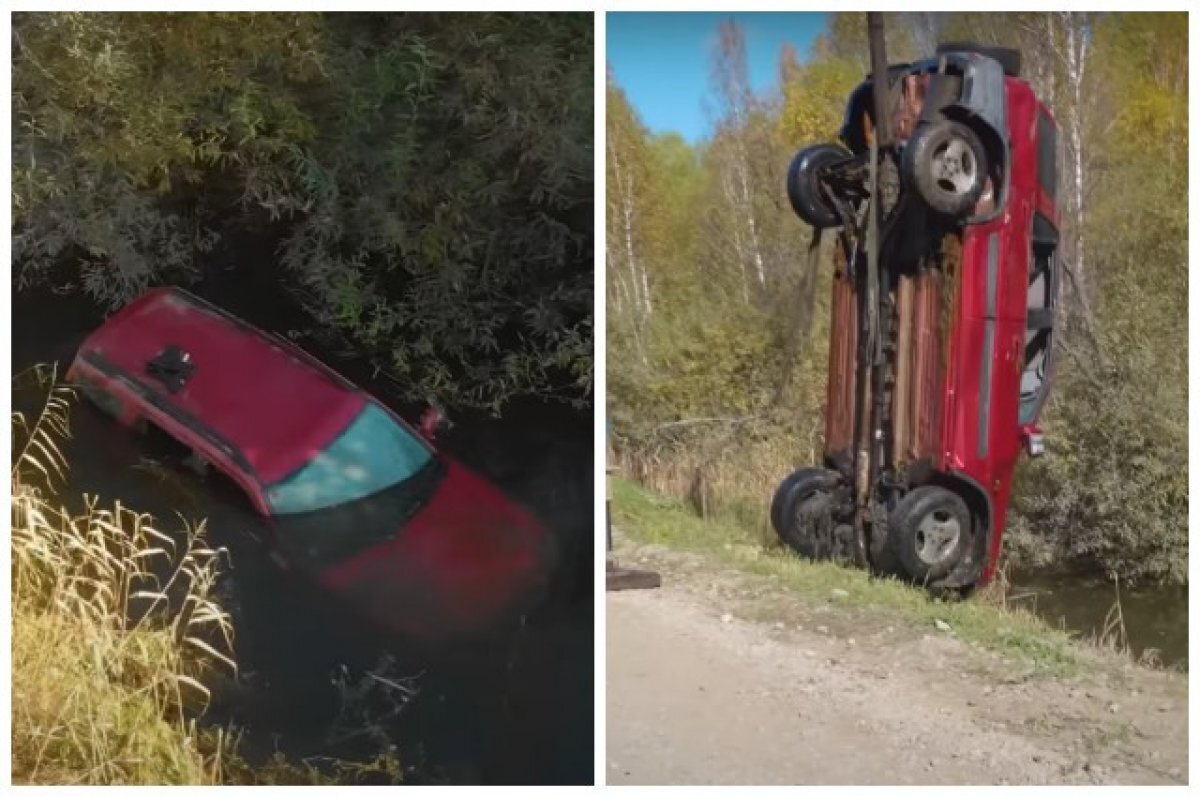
[435, 575]
[307, 405]
[962, 314]
[458, 560]
[135, 403]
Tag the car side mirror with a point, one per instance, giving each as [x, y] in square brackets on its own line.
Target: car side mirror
[433, 420]
[1035, 441]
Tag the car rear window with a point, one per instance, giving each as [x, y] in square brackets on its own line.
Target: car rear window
[371, 455]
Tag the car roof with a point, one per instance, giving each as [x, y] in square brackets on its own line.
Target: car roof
[271, 401]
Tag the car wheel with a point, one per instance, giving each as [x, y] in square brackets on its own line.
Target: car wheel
[805, 514]
[945, 163]
[783, 492]
[804, 190]
[930, 532]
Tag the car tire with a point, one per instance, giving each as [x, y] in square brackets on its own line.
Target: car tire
[804, 192]
[800, 493]
[1008, 58]
[944, 162]
[782, 492]
[929, 531]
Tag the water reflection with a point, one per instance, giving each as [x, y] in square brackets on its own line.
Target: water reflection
[1156, 618]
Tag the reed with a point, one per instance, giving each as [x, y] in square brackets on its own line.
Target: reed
[114, 629]
[1114, 636]
[720, 467]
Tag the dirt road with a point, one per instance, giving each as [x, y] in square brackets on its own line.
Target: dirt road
[699, 695]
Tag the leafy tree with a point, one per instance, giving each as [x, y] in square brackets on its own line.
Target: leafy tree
[626, 148]
[124, 124]
[814, 96]
[1113, 494]
[845, 38]
[449, 228]
[430, 176]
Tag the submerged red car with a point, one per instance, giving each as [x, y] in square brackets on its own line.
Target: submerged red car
[355, 498]
[939, 360]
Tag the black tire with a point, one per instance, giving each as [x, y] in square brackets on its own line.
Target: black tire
[807, 485]
[945, 164]
[929, 531]
[1009, 59]
[783, 493]
[803, 190]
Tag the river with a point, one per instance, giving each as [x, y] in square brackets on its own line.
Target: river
[514, 708]
[1156, 618]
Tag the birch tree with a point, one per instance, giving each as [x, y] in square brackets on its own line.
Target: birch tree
[629, 281]
[736, 105]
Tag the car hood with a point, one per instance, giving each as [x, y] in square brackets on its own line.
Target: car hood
[467, 561]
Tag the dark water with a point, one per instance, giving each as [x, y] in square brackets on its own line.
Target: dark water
[1156, 618]
[515, 707]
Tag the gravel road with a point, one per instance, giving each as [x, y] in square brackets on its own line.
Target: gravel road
[698, 695]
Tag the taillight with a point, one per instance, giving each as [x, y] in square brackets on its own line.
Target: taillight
[1035, 441]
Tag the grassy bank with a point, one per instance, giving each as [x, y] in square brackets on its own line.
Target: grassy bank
[113, 632]
[650, 518]
[116, 639]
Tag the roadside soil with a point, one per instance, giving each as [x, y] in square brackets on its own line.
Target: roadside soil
[719, 677]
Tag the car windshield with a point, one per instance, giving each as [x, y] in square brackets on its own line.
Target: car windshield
[373, 454]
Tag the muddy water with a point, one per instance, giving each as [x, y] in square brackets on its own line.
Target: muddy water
[1156, 618]
[516, 707]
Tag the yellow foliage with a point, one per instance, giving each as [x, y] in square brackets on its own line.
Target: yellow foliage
[814, 100]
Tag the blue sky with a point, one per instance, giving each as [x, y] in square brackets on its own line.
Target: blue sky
[663, 60]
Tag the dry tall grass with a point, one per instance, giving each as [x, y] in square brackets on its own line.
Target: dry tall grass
[723, 469]
[113, 631]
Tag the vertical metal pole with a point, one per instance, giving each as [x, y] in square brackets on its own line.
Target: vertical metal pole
[870, 368]
[608, 470]
[879, 81]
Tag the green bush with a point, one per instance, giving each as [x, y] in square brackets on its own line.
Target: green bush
[431, 175]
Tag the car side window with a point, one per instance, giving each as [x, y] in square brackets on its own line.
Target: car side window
[1043, 278]
[1039, 329]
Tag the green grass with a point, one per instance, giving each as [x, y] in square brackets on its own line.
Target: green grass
[1019, 635]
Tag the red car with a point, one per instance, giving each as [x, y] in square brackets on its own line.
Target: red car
[355, 498]
[928, 410]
